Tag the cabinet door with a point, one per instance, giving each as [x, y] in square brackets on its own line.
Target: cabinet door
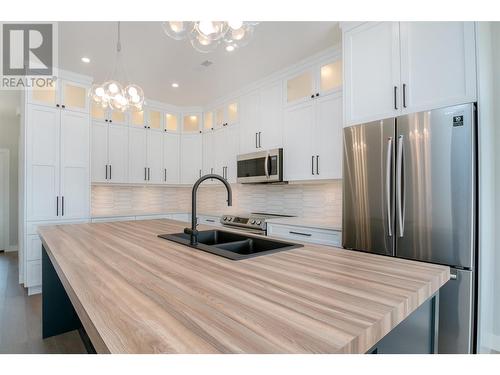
[232, 113]
[171, 121]
[75, 162]
[208, 152]
[74, 96]
[99, 147]
[330, 77]
[44, 95]
[328, 133]
[191, 123]
[438, 66]
[191, 154]
[249, 120]
[371, 72]
[271, 114]
[118, 117]
[299, 87]
[171, 158]
[137, 119]
[138, 143]
[231, 147]
[220, 146]
[155, 120]
[42, 159]
[155, 157]
[118, 159]
[298, 142]
[220, 117]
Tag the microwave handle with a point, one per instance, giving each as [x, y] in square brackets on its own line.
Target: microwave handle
[266, 166]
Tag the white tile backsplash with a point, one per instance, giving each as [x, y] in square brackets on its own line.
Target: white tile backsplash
[312, 201]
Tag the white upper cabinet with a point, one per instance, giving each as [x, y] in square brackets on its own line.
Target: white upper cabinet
[137, 119]
[271, 122]
[300, 87]
[117, 153]
[138, 155]
[328, 144]
[155, 157]
[172, 122]
[191, 123]
[250, 122]
[64, 94]
[371, 72]
[171, 154]
[154, 119]
[99, 152]
[438, 65]
[208, 161]
[191, 158]
[393, 68]
[227, 114]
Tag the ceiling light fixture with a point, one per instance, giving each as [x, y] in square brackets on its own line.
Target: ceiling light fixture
[86, 60]
[112, 94]
[175, 85]
[205, 36]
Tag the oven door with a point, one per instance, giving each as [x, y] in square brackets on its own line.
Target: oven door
[245, 229]
[261, 167]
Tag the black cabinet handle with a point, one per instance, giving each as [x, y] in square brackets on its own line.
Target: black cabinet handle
[301, 234]
[57, 206]
[317, 164]
[312, 96]
[149, 174]
[312, 164]
[317, 94]
[200, 173]
[63, 106]
[57, 105]
[165, 172]
[106, 120]
[256, 142]
[62, 205]
[260, 143]
[404, 95]
[396, 97]
[145, 174]
[106, 171]
[210, 220]
[110, 172]
[110, 120]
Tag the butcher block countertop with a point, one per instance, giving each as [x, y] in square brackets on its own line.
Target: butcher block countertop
[137, 293]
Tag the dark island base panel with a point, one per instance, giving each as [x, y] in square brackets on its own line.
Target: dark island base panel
[58, 314]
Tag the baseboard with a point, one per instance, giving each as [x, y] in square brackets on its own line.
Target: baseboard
[34, 290]
[11, 248]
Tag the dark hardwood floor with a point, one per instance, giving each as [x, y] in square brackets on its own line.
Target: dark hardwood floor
[21, 317]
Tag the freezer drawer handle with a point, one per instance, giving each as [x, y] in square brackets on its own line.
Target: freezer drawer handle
[388, 181]
[453, 276]
[400, 185]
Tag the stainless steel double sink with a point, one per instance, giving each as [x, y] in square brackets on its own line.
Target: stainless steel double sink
[231, 245]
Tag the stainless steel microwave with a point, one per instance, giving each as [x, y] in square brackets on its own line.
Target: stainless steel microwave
[260, 167]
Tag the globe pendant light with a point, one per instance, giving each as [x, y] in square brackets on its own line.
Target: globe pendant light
[206, 36]
[115, 95]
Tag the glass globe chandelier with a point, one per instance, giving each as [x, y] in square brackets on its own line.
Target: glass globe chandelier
[206, 36]
[112, 94]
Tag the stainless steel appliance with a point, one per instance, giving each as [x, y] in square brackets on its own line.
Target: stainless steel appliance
[410, 192]
[254, 223]
[260, 167]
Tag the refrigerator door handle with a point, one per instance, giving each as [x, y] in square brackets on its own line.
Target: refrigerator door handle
[388, 173]
[400, 185]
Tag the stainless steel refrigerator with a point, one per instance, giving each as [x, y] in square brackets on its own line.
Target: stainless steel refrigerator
[410, 192]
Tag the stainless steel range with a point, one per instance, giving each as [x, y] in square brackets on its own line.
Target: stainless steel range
[255, 222]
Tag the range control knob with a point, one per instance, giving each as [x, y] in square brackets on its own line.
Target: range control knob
[225, 218]
[229, 218]
[258, 222]
[252, 222]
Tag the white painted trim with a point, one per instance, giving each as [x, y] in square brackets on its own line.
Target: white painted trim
[5, 200]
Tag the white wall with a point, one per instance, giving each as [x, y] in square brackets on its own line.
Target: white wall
[488, 41]
[9, 139]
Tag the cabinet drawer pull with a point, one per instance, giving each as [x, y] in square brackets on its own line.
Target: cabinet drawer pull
[210, 220]
[395, 97]
[312, 164]
[317, 164]
[300, 234]
[106, 171]
[57, 206]
[62, 204]
[404, 95]
[110, 172]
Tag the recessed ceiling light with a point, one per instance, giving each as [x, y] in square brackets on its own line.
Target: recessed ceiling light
[175, 85]
[229, 48]
[86, 60]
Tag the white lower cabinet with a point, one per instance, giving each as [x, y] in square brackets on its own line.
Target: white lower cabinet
[209, 220]
[138, 155]
[191, 158]
[156, 173]
[305, 234]
[181, 217]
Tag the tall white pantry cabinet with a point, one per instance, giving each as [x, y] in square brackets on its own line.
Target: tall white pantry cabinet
[54, 166]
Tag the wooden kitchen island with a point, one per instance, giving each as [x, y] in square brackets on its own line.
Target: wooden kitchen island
[132, 292]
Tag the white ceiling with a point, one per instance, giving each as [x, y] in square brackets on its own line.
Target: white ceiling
[154, 60]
